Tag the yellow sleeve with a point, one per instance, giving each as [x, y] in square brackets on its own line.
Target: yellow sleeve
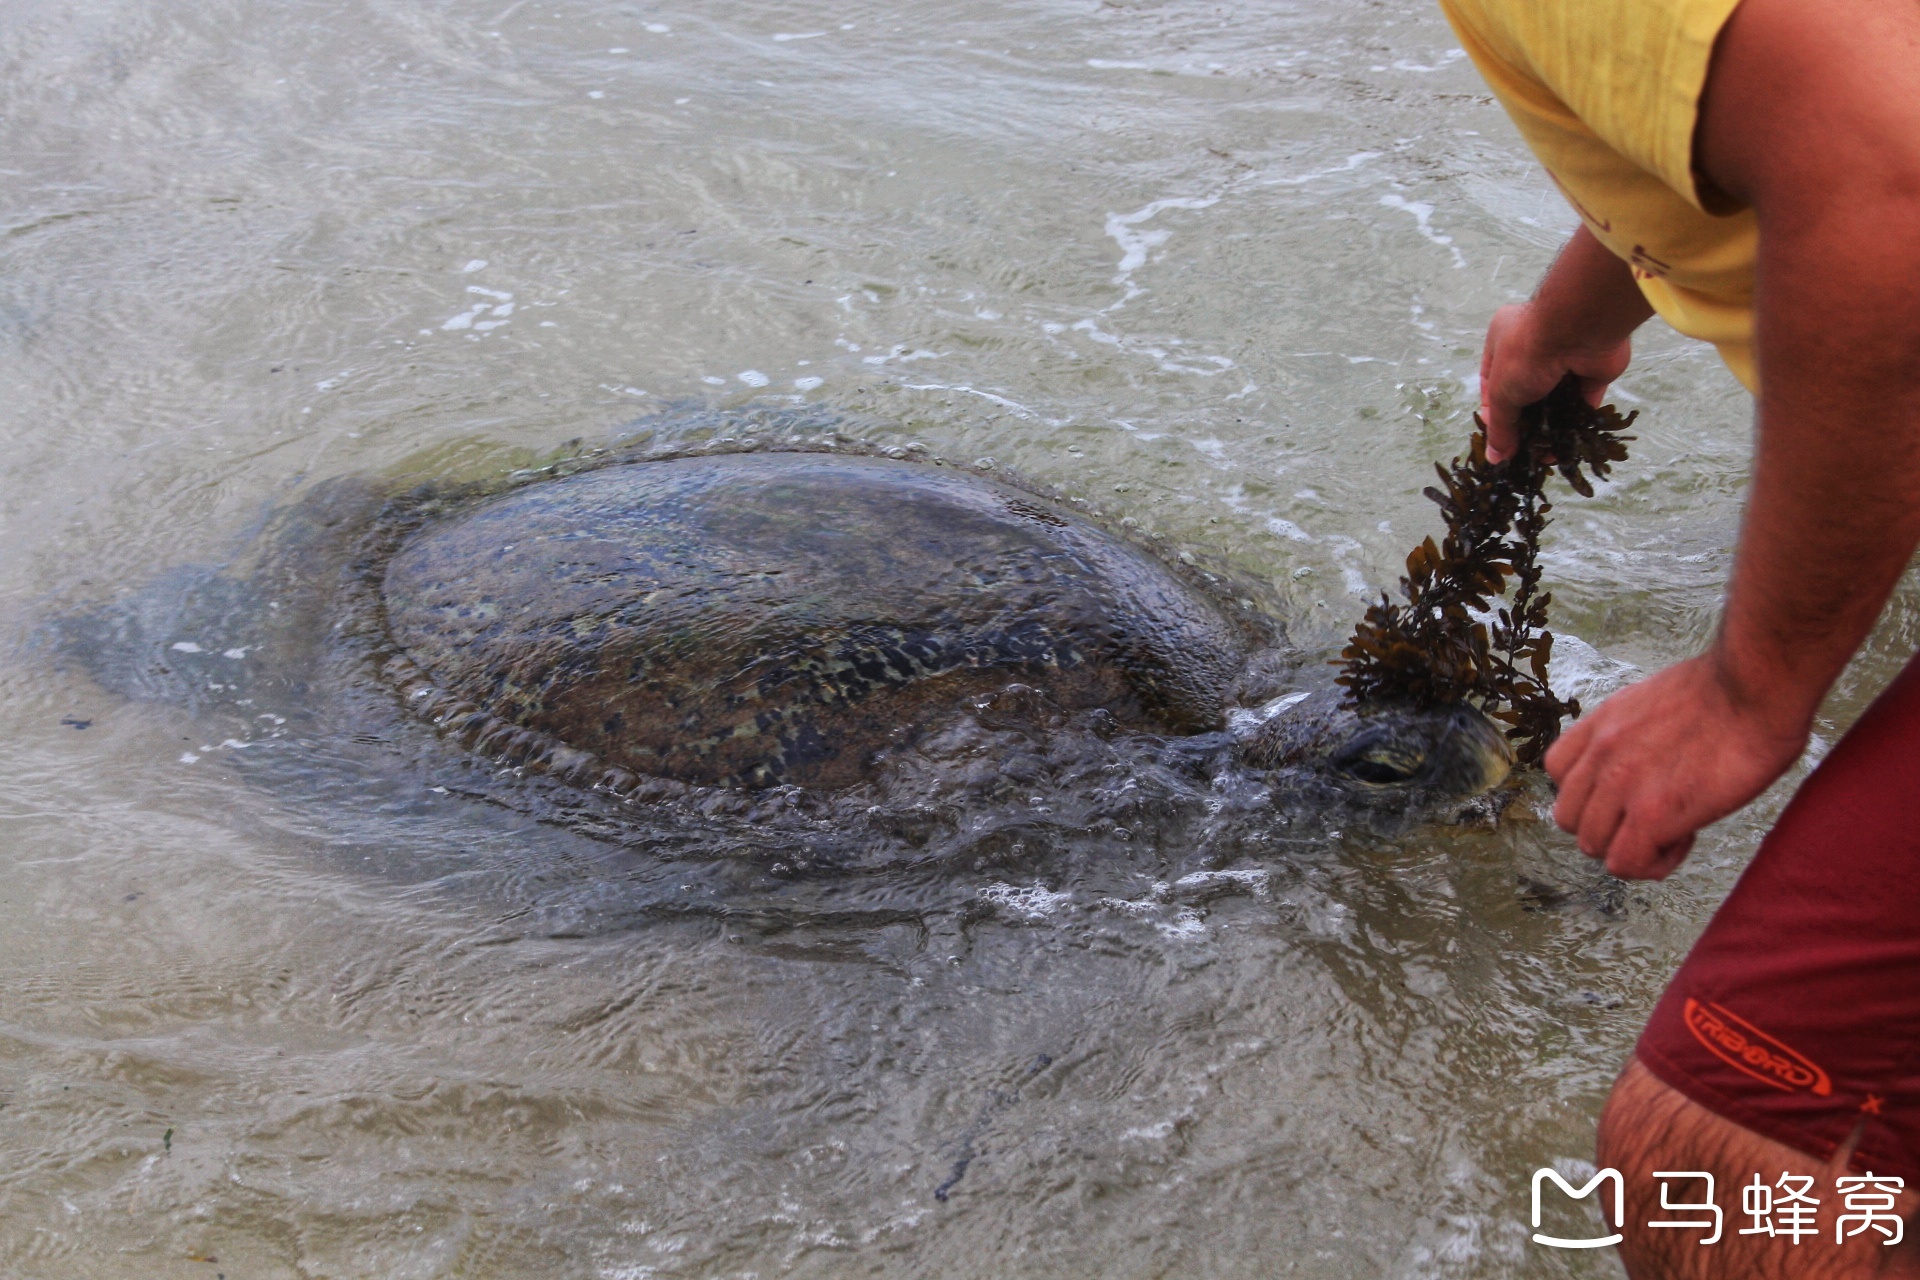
[1629, 70]
[1607, 93]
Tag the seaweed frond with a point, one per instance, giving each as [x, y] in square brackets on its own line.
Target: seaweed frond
[1445, 642]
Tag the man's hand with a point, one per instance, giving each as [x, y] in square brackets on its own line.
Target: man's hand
[1659, 760]
[1578, 322]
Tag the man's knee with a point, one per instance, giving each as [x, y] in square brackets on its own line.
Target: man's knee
[1649, 1126]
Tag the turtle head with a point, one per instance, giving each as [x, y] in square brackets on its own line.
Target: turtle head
[1452, 750]
[1379, 752]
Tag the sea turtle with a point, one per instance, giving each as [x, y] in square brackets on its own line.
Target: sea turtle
[754, 620]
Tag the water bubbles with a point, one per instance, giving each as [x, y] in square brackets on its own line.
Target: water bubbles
[1032, 902]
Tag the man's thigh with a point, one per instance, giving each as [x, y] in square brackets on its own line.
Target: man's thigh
[1650, 1127]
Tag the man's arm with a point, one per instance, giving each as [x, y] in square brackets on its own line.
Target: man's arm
[1811, 116]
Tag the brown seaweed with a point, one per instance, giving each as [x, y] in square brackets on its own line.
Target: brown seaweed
[1438, 646]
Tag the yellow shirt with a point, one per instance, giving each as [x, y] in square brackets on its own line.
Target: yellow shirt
[1606, 93]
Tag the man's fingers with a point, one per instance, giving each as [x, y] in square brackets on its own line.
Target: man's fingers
[1503, 429]
[1570, 764]
[1575, 790]
[1643, 849]
[1604, 812]
[1594, 390]
[1669, 856]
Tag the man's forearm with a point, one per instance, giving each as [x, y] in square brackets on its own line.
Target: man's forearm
[1588, 298]
[1834, 511]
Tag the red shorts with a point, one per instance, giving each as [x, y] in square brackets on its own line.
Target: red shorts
[1797, 1013]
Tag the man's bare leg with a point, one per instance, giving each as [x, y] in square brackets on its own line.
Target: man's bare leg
[1649, 1126]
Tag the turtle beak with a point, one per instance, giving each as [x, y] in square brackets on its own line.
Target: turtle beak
[1477, 756]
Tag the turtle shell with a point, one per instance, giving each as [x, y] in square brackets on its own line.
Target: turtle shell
[762, 619]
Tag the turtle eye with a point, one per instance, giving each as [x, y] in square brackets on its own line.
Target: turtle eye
[1380, 762]
[1378, 771]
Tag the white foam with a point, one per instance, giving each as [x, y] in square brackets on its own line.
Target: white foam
[1241, 719]
[1423, 216]
[1036, 902]
[1135, 245]
[1012, 406]
[1447, 59]
[186, 646]
[1251, 880]
[902, 354]
[1151, 1132]
[1579, 670]
[807, 384]
[798, 35]
[1351, 163]
[752, 377]
[1187, 923]
[1287, 529]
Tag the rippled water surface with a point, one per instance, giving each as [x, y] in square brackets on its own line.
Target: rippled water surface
[278, 1002]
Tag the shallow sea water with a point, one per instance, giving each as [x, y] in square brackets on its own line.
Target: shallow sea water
[1219, 268]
